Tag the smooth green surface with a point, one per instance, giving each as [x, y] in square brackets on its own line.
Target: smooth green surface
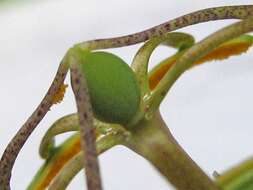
[239, 177]
[114, 92]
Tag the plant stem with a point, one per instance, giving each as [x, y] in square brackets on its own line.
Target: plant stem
[62, 125]
[195, 53]
[116, 136]
[210, 14]
[87, 130]
[13, 148]
[11, 152]
[153, 140]
[237, 178]
[141, 59]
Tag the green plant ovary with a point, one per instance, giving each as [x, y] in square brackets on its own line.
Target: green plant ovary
[114, 92]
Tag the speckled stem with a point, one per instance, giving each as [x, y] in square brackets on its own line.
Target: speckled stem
[10, 154]
[153, 140]
[85, 114]
[194, 53]
[217, 13]
[62, 125]
[116, 136]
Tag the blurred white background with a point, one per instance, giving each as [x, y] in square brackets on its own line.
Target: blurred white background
[209, 110]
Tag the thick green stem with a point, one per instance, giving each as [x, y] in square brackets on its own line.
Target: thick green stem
[153, 140]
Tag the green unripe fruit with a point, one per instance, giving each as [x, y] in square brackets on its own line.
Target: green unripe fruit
[113, 89]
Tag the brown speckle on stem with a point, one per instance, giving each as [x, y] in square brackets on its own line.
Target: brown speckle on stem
[210, 14]
[11, 152]
[88, 136]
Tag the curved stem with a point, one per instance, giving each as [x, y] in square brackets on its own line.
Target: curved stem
[71, 123]
[194, 53]
[107, 135]
[58, 158]
[217, 13]
[141, 59]
[155, 143]
[62, 125]
[114, 137]
[11, 152]
[233, 47]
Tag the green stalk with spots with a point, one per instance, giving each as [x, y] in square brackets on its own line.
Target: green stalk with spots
[148, 132]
